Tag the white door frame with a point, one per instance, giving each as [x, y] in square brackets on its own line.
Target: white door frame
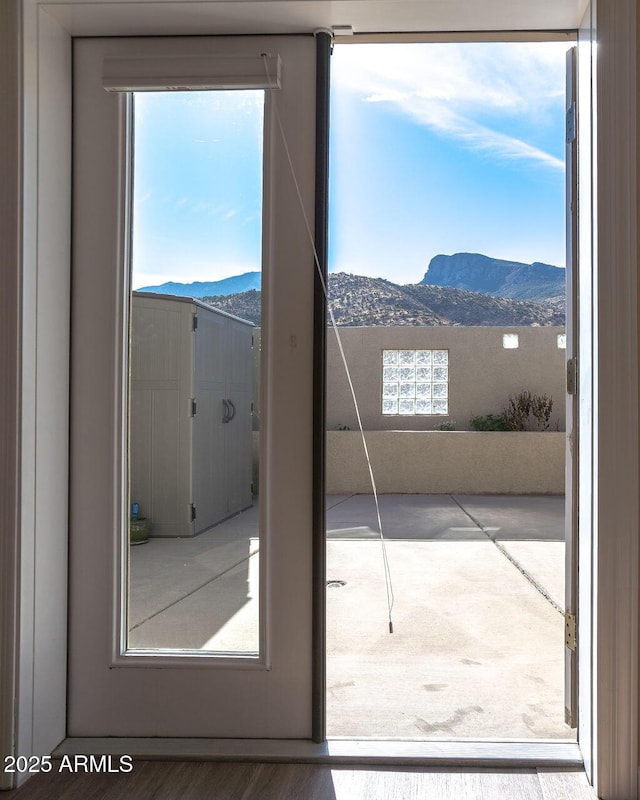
[615, 559]
[571, 400]
[10, 320]
[42, 245]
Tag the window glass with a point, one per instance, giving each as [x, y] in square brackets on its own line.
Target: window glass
[193, 411]
[415, 382]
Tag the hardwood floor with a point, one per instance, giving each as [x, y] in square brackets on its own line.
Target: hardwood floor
[173, 780]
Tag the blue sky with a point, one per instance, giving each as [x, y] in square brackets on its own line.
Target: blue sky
[437, 148]
[197, 185]
[446, 148]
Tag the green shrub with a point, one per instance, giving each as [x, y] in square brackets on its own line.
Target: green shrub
[489, 422]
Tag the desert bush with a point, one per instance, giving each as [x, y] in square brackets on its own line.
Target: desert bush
[528, 412]
[447, 425]
[525, 411]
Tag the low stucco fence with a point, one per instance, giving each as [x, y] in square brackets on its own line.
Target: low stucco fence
[441, 462]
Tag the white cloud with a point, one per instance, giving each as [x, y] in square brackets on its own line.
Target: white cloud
[468, 91]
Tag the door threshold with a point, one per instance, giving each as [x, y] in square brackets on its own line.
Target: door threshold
[450, 753]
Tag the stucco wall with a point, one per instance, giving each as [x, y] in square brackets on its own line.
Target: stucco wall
[482, 374]
[408, 455]
[439, 462]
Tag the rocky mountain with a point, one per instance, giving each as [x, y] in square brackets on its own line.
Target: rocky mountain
[233, 285]
[477, 273]
[245, 305]
[361, 301]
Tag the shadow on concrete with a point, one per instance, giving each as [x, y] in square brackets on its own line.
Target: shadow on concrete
[447, 517]
[199, 593]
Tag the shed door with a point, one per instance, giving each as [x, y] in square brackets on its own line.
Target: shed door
[210, 490]
[221, 418]
[120, 685]
[238, 425]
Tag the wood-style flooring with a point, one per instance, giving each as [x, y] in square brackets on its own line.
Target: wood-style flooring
[166, 780]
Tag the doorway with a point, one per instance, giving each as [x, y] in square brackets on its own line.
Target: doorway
[448, 282]
[610, 460]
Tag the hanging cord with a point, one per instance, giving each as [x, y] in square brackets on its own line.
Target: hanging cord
[383, 544]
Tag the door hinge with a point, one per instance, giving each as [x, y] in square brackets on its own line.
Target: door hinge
[572, 376]
[195, 322]
[193, 407]
[192, 509]
[571, 123]
[570, 630]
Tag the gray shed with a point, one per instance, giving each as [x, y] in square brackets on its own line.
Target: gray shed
[190, 414]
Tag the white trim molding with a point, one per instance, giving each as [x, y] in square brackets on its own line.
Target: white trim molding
[10, 253]
[617, 472]
[43, 272]
[586, 383]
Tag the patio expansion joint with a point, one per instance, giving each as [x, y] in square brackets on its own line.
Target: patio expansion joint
[340, 502]
[536, 585]
[195, 590]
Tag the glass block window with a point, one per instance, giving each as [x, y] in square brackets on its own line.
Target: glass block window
[415, 382]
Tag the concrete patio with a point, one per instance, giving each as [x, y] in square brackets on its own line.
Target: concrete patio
[478, 581]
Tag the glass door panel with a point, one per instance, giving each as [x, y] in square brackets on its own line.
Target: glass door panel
[193, 480]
